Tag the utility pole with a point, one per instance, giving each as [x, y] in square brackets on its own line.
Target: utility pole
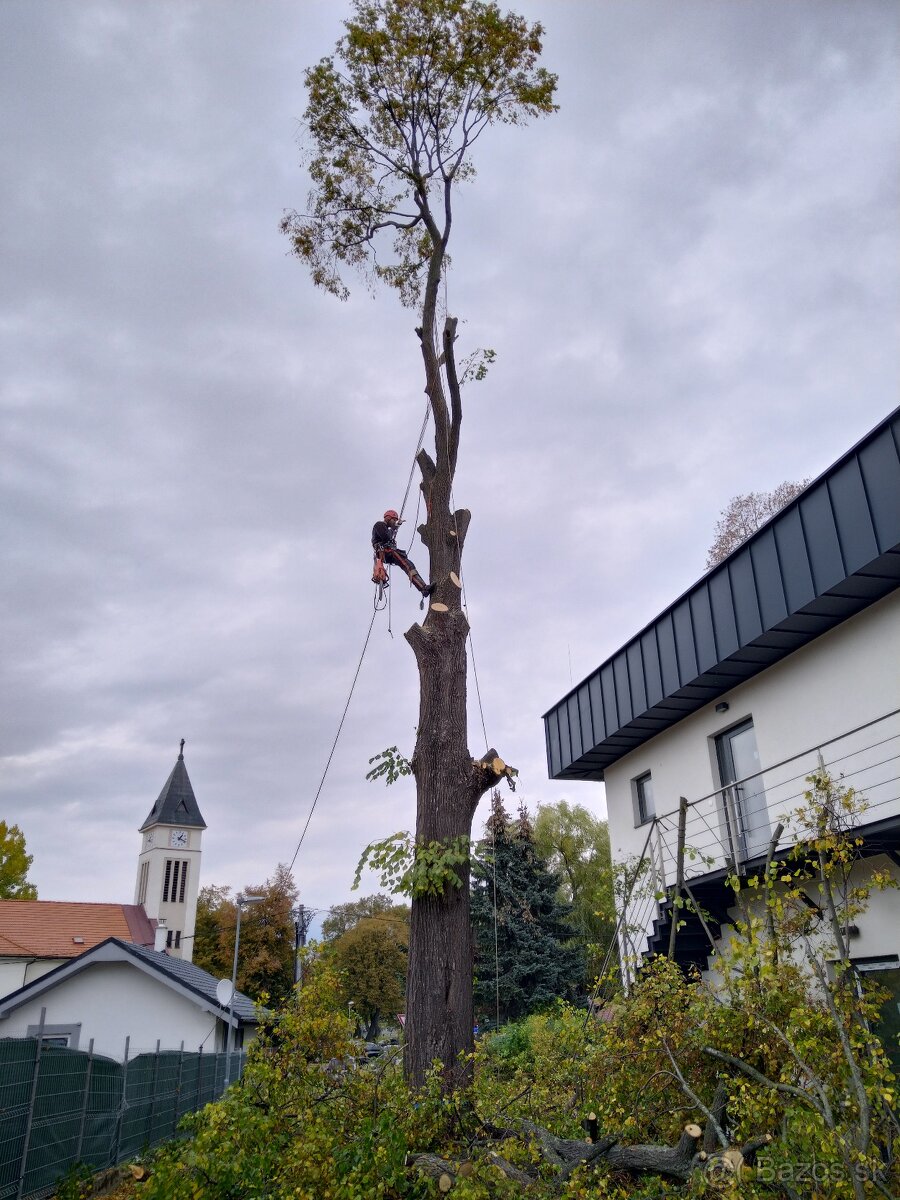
[302, 921]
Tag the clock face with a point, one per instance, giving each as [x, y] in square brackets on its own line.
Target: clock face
[178, 837]
[149, 840]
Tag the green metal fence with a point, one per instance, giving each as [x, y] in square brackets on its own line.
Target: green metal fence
[60, 1106]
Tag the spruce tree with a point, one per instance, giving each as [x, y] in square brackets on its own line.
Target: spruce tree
[534, 962]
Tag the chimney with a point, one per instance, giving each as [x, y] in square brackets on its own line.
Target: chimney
[159, 938]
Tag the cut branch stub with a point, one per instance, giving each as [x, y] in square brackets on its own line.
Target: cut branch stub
[488, 770]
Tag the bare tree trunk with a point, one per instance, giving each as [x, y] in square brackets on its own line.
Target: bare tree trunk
[449, 783]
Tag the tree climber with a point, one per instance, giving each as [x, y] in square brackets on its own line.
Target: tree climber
[384, 543]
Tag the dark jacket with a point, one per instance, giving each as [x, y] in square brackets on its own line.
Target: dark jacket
[383, 535]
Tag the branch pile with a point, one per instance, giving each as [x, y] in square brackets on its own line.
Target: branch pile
[565, 1155]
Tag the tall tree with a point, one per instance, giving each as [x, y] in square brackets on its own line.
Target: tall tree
[266, 952]
[526, 956]
[215, 912]
[343, 917]
[391, 121]
[370, 959]
[575, 845]
[14, 864]
[743, 515]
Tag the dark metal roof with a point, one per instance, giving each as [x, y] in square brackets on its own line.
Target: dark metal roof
[176, 803]
[834, 550]
[196, 979]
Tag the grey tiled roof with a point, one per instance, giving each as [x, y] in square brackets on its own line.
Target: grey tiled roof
[196, 979]
[176, 803]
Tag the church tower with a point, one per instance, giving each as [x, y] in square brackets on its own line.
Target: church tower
[168, 874]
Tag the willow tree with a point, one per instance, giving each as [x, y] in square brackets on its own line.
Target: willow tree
[391, 121]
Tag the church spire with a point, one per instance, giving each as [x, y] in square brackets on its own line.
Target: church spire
[176, 803]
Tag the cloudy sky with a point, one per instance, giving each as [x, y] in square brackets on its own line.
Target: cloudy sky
[689, 275]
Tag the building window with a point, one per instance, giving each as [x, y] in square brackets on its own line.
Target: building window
[642, 793]
[175, 880]
[142, 886]
[745, 813]
[173, 939]
[886, 973]
[65, 1036]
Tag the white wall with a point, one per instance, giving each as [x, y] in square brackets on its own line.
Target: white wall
[843, 679]
[16, 972]
[879, 928]
[181, 917]
[112, 1001]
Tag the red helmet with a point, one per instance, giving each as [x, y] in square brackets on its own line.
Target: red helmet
[391, 515]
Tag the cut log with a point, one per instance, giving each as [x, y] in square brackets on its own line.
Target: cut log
[139, 1172]
[438, 607]
[516, 1174]
[436, 1167]
[455, 580]
[750, 1148]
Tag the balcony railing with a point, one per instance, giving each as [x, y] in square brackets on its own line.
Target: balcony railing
[733, 825]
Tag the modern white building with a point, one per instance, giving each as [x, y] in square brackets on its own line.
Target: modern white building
[782, 658]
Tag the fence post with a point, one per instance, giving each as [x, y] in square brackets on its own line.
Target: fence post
[152, 1113]
[199, 1079]
[117, 1140]
[660, 865]
[733, 831]
[178, 1089]
[84, 1102]
[30, 1118]
[679, 871]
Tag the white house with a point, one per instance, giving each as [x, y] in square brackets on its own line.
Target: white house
[784, 656]
[120, 995]
[38, 935]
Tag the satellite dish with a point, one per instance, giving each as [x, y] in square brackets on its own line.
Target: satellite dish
[224, 992]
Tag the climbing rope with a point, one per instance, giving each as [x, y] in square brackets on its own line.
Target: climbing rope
[412, 469]
[335, 742]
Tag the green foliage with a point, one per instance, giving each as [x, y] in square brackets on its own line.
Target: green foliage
[415, 870]
[305, 1121]
[370, 960]
[14, 864]
[391, 766]
[266, 959]
[792, 1048]
[391, 119]
[575, 845]
[345, 916]
[76, 1184]
[532, 960]
[476, 365]
[215, 918]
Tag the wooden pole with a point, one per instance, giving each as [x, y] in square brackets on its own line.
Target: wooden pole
[679, 872]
